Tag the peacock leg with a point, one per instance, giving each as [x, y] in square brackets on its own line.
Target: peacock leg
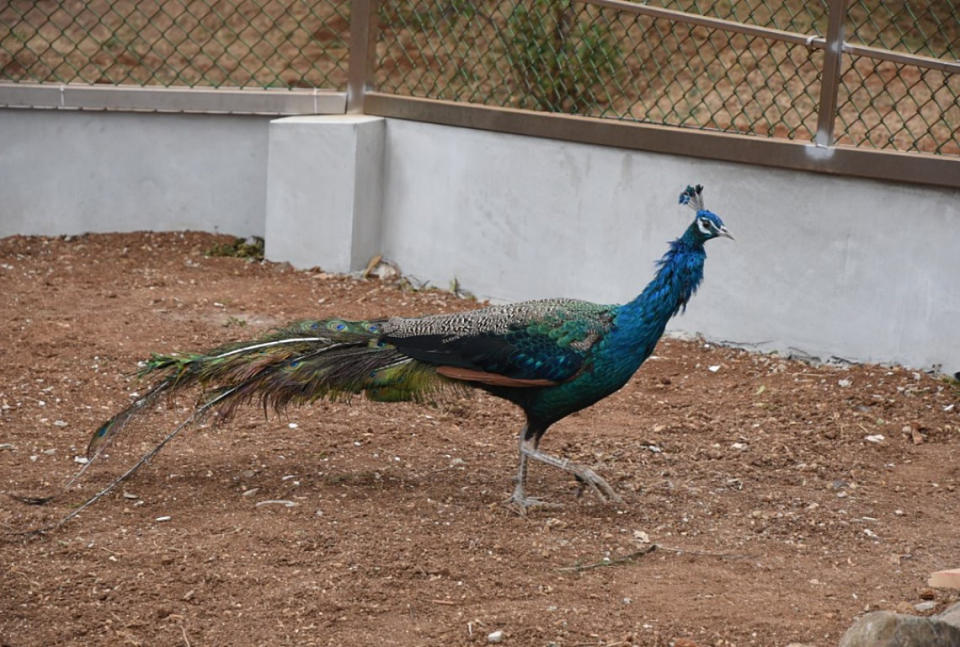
[519, 497]
[585, 475]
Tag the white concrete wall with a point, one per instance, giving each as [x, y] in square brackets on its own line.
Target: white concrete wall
[324, 179]
[68, 172]
[860, 269]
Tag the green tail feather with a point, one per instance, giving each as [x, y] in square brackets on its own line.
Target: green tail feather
[303, 362]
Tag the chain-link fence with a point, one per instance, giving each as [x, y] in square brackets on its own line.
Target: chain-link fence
[748, 66]
[599, 61]
[237, 43]
[612, 60]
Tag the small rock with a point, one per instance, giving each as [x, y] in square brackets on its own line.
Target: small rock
[713, 369]
[928, 594]
[845, 383]
[60, 423]
[874, 438]
[929, 605]
[904, 607]
[163, 518]
[888, 629]
[283, 502]
[495, 636]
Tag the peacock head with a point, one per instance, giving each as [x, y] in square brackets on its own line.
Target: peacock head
[707, 224]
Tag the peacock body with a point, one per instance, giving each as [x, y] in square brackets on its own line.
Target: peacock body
[550, 357]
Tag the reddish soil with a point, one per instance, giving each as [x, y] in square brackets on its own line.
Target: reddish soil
[776, 521]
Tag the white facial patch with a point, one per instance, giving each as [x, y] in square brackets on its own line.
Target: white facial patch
[704, 226]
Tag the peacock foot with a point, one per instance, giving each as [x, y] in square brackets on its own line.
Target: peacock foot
[586, 477]
[521, 503]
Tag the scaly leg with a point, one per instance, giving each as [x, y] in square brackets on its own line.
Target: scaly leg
[585, 475]
[519, 497]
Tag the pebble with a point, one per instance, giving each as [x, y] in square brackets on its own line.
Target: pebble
[925, 606]
[874, 438]
[163, 518]
[495, 636]
[283, 502]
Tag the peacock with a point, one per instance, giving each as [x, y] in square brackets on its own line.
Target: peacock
[549, 357]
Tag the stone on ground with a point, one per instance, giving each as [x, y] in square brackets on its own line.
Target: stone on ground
[888, 629]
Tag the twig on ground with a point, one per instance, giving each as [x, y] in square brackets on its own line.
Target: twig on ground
[645, 551]
[611, 562]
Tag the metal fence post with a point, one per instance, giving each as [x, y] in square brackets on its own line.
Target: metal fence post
[830, 79]
[363, 45]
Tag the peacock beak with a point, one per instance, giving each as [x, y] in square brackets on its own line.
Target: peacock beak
[722, 231]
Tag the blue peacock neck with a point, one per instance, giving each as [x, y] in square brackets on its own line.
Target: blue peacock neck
[641, 322]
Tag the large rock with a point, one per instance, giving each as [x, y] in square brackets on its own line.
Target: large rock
[888, 629]
[951, 616]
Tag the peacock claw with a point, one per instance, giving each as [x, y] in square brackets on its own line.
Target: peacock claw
[521, 503]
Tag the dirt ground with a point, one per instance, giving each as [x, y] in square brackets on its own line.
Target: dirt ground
[777, 518]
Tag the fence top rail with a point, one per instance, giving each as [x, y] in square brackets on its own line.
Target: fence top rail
[793, 38]
[709, 21]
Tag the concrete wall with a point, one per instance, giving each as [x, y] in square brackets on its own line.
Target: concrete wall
[66, 172]
[830, 266]
[827, 266]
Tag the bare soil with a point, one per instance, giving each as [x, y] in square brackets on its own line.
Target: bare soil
[776, 520]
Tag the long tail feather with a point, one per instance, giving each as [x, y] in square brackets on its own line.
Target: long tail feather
[100, 440]
[194, 417]
[268, 366]
[303, 362]
[105, 433]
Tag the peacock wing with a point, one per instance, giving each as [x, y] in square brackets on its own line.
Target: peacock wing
[534, 343]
